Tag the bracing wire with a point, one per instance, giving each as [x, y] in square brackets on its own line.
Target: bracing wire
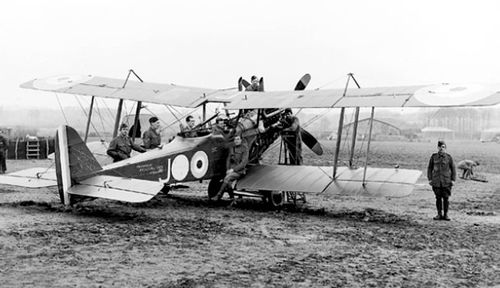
[347, 132]
[100, 116]
[169, 108]
[180, 119]
[330, 82]
[363, 140]
[62, 110]
[86, 115]
[108, 109]
[159, 118]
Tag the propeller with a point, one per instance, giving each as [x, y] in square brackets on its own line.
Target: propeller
[242, 84]
[302, 84]
[307, 137]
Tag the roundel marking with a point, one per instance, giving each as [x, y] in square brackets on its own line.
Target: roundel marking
[452, 94]
[180, 167]
[60, 82]
[199, 164]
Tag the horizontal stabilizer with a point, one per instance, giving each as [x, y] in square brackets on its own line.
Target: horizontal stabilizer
[379, 182]
[117, 188]
[31, 178]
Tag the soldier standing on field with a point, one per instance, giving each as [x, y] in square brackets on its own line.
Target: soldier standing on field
[441, 173]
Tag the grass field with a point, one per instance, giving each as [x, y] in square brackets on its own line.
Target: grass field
[408, 155]
[183, 240]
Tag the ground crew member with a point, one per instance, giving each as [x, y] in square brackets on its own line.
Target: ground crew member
[292, 138]
[236, 162]
[441, 174]
[187, 130]
[4, 145]
[220, 128]
[120, 147]
[152, 138]
[466, 166]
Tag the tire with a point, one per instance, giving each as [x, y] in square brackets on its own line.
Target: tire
[276, 199]
[214, 186]
[165, 189]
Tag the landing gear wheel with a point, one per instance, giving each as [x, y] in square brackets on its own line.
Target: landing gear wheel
[275, 199]
[165, 189]
[214, 187]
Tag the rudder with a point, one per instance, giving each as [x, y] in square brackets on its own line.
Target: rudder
[74, 161]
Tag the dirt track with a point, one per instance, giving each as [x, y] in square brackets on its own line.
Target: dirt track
[182, 240]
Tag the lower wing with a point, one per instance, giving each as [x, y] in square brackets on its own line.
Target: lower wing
[384, 182]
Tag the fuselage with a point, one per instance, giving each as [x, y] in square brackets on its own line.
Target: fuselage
[182, 160]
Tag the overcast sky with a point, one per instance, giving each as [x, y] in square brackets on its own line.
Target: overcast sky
[212, 43]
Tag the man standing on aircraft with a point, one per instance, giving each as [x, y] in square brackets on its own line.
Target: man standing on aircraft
[120, 147]
[151, 138]
[4, 144]
[292, 138]
[467, 168]
[187, 130]
[441, 174]
[237, 160]
[254, 85]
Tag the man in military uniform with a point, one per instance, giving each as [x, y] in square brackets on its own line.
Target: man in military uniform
[120, 147]
[441, 174]
[4, 144]
[292, 138]
[220, 128]
[254, 85]
[187, 130]
[236, 163]
[152, 138]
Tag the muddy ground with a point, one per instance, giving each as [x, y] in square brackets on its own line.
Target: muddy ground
[182, 240]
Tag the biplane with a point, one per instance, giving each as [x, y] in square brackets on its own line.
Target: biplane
[138, 179]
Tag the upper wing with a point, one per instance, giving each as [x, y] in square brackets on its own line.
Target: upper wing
[168, 94]
[442, 95]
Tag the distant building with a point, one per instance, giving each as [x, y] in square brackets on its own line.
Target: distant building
[490, 135]
[467, 123]
[435, 133]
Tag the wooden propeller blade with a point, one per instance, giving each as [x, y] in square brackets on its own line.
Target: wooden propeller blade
[245, 83]
[240, 84]
[311, 142]
[261, 84]
[302, 84]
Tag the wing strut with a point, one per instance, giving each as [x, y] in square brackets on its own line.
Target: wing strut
[137, 110]
[339, 138]
[355, 127]
[368, 146]
[120, 105]
[89, 119]
[118, 116]
[341, 125]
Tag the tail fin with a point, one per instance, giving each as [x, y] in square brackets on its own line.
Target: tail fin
[74, 161]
